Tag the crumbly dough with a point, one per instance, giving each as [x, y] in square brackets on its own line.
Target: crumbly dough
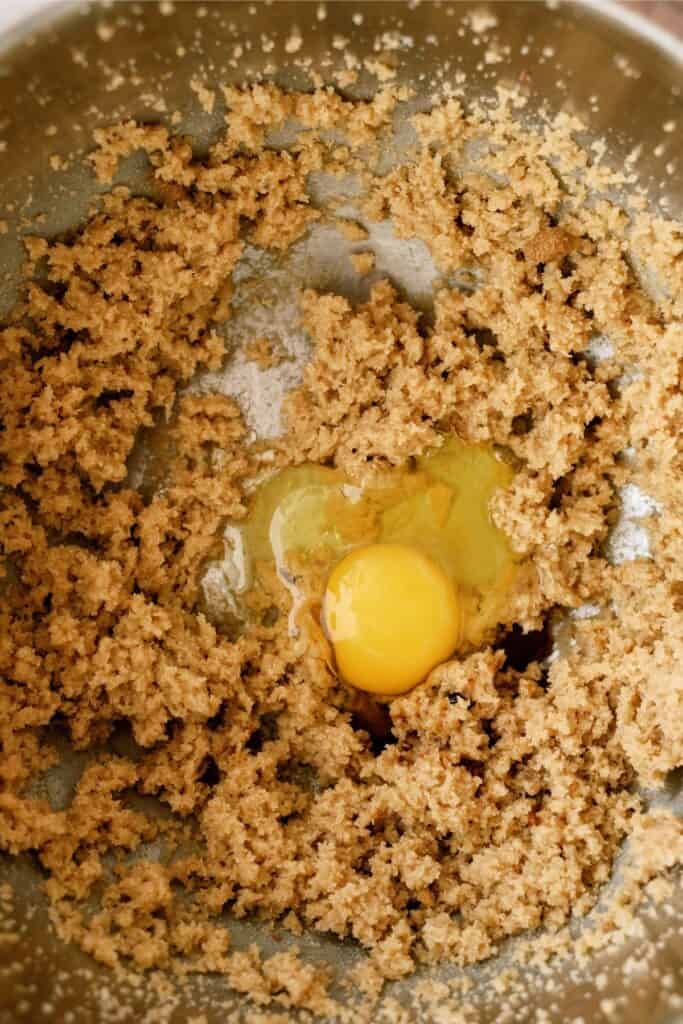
[264, 352]
[508, 786]
[363, 262]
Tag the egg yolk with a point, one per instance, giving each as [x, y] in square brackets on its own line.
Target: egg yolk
[392, 615]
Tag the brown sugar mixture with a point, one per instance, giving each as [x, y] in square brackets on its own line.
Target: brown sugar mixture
[500, 790]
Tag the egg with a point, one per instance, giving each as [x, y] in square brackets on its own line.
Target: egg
[392, 614]
[409, 568]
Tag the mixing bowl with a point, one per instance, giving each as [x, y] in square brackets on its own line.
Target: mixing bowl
[71, 67]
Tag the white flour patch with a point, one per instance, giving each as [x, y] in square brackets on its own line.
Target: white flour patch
[266, 304]
[258, 392]
[599, 348]
[629, 539]
[636, 504]
[586, 611]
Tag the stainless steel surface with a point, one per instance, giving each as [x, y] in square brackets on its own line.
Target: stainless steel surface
[61, 76]
[667, 13]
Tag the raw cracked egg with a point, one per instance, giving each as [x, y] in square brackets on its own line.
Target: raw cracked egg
[412, 567]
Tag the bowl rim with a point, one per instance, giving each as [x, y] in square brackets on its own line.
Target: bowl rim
[22, 17]
[639, 24]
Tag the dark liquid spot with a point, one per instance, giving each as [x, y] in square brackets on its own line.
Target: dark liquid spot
[210, 775]
[108, 397]
[483, 336]
[217, 720]
[267, 730]
[472, 766]
[521, 649]
[370, 716]
[523, 423]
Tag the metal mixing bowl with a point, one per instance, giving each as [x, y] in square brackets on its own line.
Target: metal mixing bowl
[73, 67]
